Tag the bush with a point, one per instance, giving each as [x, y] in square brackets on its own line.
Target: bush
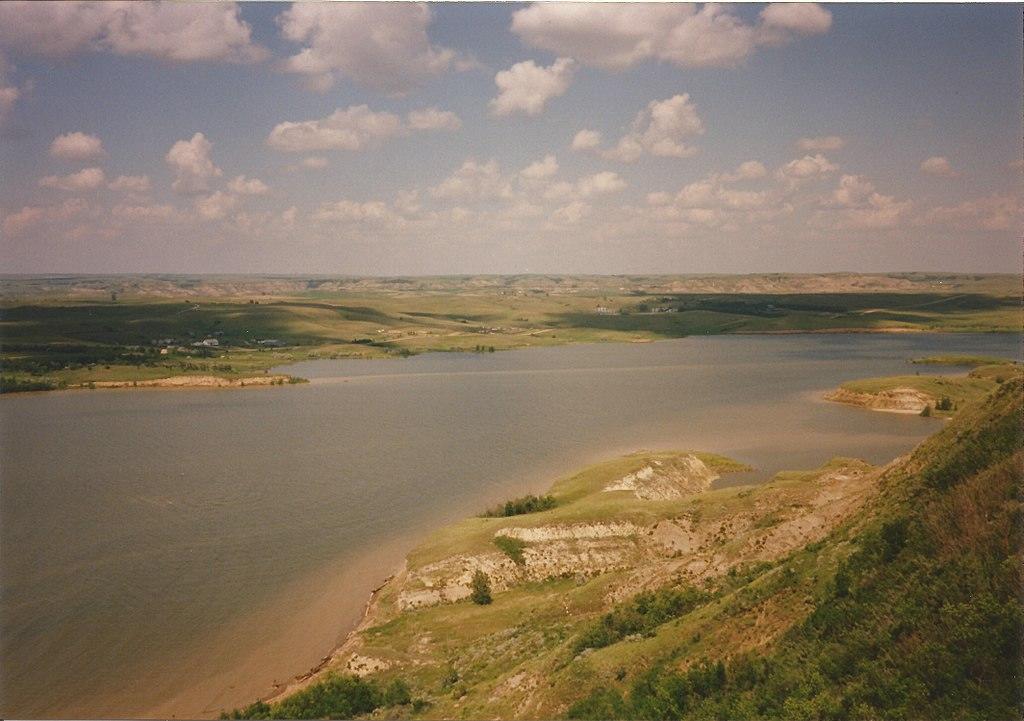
[481, 594]
[396, 693]
[520, 506]
[336, 696]
[511, 547]
[642, 614]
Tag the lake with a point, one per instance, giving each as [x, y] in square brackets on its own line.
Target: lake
[177, 552]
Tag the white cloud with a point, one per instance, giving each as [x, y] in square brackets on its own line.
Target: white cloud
[76, 146]
[165, 30]
[474, 180]
[541, 169]
[433, 119]
[216, 206]
[938, 165]
[315, 162]
[383, 46]
[242, 185]
[853, 191]
[348, 210]
[602, 183]
[996, 212]
[572, 213]
[9, 95]
[809, 166]
[87, 179]
[526, 87]
[798, 18]
[750, 170]
[862, 208]
[586, 140]
[141, 213]
[617, 36]
[661, 129]
[192, 166]
[821, 143]
[18, 222]
[356, 128]
[130, 184]
[9, 92]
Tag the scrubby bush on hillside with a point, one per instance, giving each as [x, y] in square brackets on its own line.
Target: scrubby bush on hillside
[520, 506]
[511, 547]
[336, 696]
[481, 593]
[642, 614]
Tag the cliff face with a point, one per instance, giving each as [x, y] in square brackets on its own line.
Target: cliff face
[844, 591]
[895, 400]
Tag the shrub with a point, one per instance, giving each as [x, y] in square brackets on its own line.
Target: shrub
[511, 547]
[481, 594]
[520, 506]
[642, 614]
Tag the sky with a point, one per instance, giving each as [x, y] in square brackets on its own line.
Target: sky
[408, 139]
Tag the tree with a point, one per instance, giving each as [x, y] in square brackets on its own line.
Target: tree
[481, 589]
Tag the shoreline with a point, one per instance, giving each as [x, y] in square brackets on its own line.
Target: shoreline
[219, 382]
[302, 680]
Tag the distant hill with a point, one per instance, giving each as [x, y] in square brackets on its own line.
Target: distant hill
[96, 287]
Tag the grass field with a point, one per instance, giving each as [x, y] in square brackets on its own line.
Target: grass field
[70, 332]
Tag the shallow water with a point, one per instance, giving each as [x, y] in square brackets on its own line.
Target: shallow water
[176, 552]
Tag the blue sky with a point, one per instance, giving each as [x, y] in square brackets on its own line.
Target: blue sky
[406, 139]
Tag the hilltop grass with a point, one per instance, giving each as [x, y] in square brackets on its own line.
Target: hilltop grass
[577, 499]
[948, 390]
[921, 618]
[73, 342]
[968, 361]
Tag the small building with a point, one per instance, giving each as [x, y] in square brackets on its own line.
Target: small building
[207, 343]
[603, 310]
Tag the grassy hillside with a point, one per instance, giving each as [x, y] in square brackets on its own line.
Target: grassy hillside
[940, 395]
[844, 592]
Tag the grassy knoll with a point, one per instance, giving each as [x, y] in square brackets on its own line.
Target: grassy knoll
[941, 394]
[844, 592]
[73, 331]
[966, 361]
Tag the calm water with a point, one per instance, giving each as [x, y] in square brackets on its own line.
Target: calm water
[176, 552]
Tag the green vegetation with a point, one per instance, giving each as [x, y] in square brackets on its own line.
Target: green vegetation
[640, 615]
[69, 330]
[948, 392]
[335, 696]
[481, 589]
[520, 506]
[15, 384]
[511, 547]
[968, 361]
[922, 620]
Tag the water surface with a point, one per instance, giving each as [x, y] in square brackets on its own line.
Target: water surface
[176, 552]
